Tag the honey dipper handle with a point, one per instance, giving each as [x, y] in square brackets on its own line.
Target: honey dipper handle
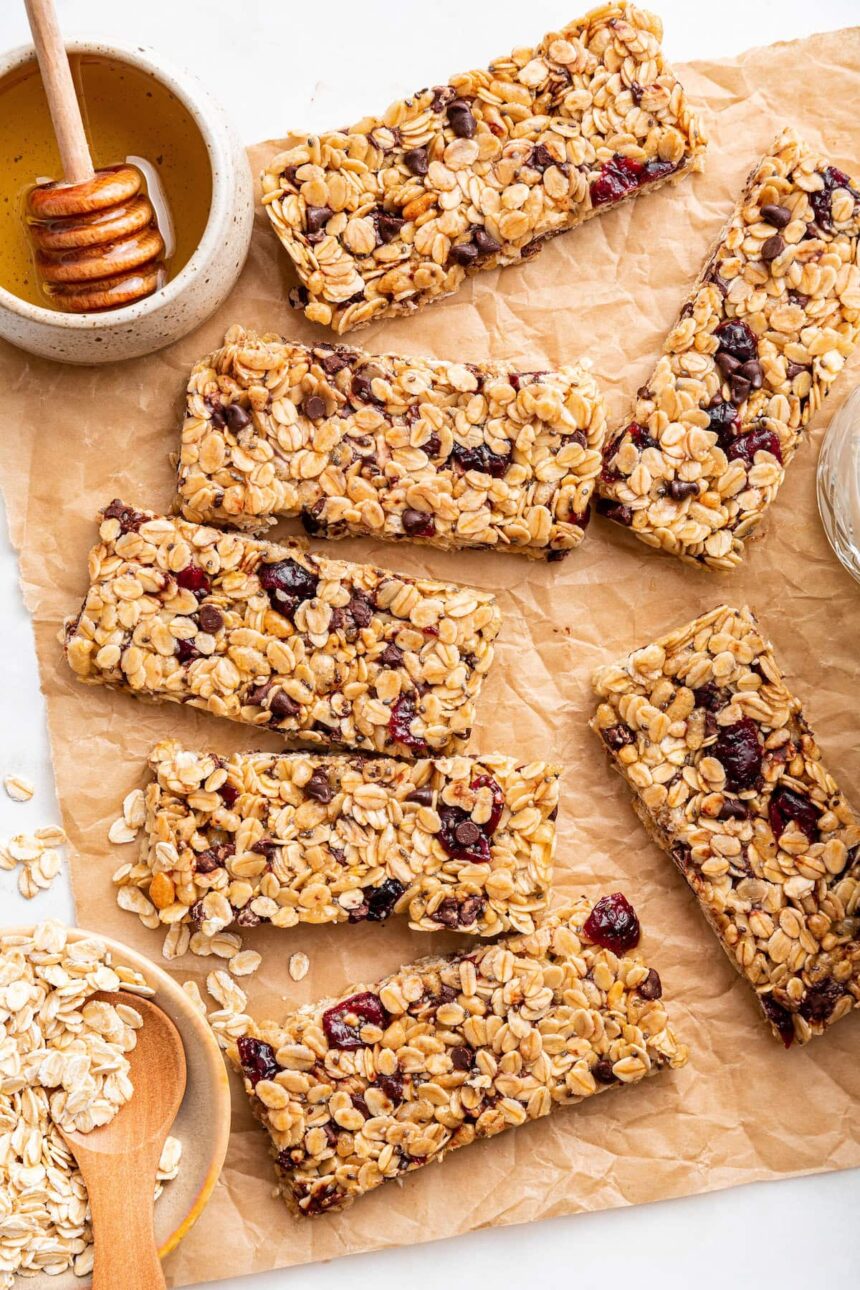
[60, 91]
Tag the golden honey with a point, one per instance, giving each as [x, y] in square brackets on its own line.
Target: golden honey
[128, 114]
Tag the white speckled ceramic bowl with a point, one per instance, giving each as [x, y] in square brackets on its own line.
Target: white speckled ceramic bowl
[198, 289]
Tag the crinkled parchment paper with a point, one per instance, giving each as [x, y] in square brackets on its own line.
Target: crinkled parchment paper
[743, 1109]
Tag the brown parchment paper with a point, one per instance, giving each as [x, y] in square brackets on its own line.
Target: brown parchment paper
[743, 1109]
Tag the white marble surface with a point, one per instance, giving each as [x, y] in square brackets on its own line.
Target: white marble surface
[276, 63]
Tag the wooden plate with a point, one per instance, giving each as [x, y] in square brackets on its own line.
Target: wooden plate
[203, 1123]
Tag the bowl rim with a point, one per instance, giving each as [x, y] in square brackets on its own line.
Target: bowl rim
[215, 131]
[222, 1106]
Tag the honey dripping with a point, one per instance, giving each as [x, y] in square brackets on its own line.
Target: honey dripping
[128, 115]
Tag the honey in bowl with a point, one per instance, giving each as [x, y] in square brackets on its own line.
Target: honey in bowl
[128, 114]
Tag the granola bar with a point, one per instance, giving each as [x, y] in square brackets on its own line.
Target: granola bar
[446, 1051]
[459, 842]
[758, 344]
[450, 454]
[728, 779]
[395, 212]
[324, 652]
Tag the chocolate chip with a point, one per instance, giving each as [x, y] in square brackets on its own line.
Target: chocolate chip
[740, 388]
[464, 253]
[211, 618]
[313, 407]
[391, 656]
[388, 226]
[681, 488]
[130, 520]
[461, 1058]
[753, 372]
[333, 363]
[460, 119]
[417, 161]
[282, 706]
[732, 809]
[257, 694]
[727, 363]
[776, 216]
[636, 92]
[447, 913]
[418, 523]
[361, 609]
[470, 910]
[318, 788]
[603, 1072]
[316, 218]
[236, 417]
[467, 833]
[247, 918]
[486, 244]
[794, 369]
[772, 248]
[423, 796]
[651, 987]
[541, 158]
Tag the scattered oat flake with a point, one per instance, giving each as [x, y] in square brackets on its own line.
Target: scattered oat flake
[120, 832]
[18, 788]
[133, 808]
[299, 965]
[38, 855]
[244, 963]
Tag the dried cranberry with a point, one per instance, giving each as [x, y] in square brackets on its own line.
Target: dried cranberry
[266, 847]
[195, 579]
[470, 910]
[787, 805]
[724, 422]
[487, 781]
[400, 724]
[622, 175]
[820, 1000]
[711, 697]
[613, 924]
[737, 340]
[382, 899]
[739, 751]
[732, 809]
[344, 1022]
[228, 794]
[287, 584]
[640, 436]
[779, 1017]
[480, 458]
[603, 1071]
[745, 447]
[616, 737]
[391, 1086]
[616, 511]
[391, 656]
[821, 201]
[257, 1059]
[186, 651]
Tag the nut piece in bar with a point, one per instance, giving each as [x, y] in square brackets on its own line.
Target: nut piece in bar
[448, 454]
[464, 843]
[446, 1051]
[323, 651]
[395, 212]
[755, 350]
[728, 779]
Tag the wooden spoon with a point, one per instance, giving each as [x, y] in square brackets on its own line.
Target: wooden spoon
[119, 1160]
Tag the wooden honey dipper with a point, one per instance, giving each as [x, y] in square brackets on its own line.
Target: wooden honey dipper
[95, 232]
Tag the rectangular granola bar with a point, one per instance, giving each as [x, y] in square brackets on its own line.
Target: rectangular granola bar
[450, 454]
[447, 1051]
[324, 652]
[757, 346]
[395, 212]
[728, 779]
[459, 842]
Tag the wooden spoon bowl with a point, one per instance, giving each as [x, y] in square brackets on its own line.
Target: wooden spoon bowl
[119, 1160]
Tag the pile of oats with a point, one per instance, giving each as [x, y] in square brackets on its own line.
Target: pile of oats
[38, 857]
[63, 1062]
